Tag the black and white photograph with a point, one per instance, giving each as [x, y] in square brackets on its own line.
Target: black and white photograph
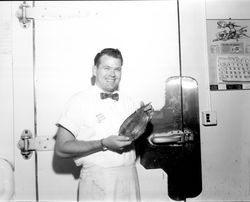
[125, 101]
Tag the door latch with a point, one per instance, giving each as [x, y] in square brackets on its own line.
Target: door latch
[27, 144]
[171, 137]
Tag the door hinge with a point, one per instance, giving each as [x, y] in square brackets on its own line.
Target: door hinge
[27, 144]
[22, 16]
[26, 13]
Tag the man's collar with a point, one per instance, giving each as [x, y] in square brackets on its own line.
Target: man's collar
[98, 90]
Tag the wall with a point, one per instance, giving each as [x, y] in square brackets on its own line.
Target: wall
[225, 156]
[6, 84]
[230, 170]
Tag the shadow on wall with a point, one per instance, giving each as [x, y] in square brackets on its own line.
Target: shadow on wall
[65, 166]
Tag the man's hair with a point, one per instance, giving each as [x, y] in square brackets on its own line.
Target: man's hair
[110, 52]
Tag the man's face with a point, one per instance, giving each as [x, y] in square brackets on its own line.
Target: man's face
[108, 73]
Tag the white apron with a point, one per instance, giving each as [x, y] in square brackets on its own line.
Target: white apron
[115, 184]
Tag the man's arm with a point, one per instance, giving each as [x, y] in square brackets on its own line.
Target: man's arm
[67, 146]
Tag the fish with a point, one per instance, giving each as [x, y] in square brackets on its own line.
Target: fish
[135, 124]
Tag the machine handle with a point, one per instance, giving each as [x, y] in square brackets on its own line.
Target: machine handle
[175, 136]
[166, 139]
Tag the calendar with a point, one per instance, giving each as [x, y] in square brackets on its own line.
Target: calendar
[233, 68]
[228, 54]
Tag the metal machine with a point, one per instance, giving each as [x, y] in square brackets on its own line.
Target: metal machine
[172, 139]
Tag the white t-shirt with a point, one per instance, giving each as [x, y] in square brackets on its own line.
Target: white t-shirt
[89, 117]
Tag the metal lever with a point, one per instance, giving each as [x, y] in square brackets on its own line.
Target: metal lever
[27, 144]
[171, 137]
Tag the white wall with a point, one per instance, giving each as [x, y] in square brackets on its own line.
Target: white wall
[6, 84]
[225, 147]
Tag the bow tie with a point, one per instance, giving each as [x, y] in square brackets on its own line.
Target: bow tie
[114, 96]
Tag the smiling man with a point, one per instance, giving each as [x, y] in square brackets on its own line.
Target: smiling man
[88, 131]
[107, 70]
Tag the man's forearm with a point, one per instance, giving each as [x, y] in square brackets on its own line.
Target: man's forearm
[76, 148]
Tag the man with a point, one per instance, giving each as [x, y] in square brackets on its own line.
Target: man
[88, 132]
